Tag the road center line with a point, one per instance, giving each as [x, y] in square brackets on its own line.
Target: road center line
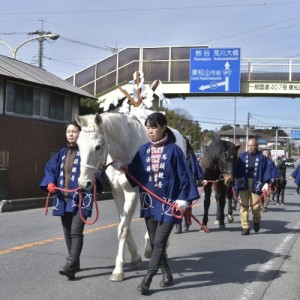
[59, 238]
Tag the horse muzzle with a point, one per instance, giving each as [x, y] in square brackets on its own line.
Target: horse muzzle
[85, 184]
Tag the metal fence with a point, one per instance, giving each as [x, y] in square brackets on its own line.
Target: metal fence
[270, 69]
[174, 68]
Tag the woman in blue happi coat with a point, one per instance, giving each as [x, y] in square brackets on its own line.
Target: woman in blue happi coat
[296, 176]
[62, 171]
[160, 165]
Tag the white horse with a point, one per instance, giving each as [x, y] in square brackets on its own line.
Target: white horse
[114, 137]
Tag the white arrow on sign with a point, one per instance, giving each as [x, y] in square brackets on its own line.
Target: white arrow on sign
[213, 85]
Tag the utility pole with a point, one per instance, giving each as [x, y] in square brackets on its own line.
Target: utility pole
[276, 147]
[248, 128]
[234, 127]
[41, 42]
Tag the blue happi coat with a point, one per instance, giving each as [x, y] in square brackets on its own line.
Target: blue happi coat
[175, 181]
[195, 167]
[272, 169]
[54, 173]
[296, 175]
[261, 174]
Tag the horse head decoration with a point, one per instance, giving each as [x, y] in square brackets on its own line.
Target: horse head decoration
[218, 165]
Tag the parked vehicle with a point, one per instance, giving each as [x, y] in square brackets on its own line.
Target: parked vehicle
[290, 162]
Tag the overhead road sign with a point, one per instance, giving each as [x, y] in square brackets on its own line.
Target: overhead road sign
[295, 134]
[215, 70]
[274, 87]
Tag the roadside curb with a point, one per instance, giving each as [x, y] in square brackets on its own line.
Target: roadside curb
[31, 203]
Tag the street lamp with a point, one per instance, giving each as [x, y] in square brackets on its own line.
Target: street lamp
[51, 36]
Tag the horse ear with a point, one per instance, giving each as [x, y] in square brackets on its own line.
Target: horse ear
[98, 119]
[237, 147]
[80, 120]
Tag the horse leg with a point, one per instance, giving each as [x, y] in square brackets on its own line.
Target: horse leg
[207, 194]
[220, 198]
[277, 195]
[217, 220]
[230, 217]
[282, 195]
[126, 204]
[147, 248]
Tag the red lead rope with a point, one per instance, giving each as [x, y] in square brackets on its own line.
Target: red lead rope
[263, 195]
[80, 202]
[175, 209]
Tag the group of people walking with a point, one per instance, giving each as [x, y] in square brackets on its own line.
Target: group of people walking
[161, 166]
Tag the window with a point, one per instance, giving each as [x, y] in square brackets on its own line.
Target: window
[35, 102]
[20, 98]
[4, 159]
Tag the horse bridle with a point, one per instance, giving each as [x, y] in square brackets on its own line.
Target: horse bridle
[104, 154]
[224, 160]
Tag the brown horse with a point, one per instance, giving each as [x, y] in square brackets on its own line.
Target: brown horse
[217, 164]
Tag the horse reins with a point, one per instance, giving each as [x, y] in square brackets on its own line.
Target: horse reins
[236, 198]
[174, 208]
[79, 204]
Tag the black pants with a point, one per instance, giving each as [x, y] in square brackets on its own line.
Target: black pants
[73, 230]
[159, 234]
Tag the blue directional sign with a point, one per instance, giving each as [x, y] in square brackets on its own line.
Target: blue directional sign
[295, 134]
[215, 70]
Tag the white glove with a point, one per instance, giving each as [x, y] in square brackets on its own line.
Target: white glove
[204, 182]
[265, 187]
[117, 165]
[182, 204]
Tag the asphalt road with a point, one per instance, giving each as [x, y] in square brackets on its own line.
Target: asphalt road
[219, 265]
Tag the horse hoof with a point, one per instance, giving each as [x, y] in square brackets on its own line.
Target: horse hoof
[147, 253]
[222, 226]
[136, 263]
[217, 222]
[117, 277]
[230, 218]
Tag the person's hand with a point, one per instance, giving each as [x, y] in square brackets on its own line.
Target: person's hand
[117, 165]
[204, 182]
[51, 187]
[182, 204]
[265, 187]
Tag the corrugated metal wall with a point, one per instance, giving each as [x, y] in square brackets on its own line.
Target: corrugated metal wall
[29, 143]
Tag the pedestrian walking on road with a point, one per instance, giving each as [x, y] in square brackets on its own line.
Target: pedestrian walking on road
[296, 176]
[61, 178]
[274, 176]
[160, 166]
[253, 175]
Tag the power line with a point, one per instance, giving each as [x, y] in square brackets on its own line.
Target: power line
[126, 10]
[106, 48]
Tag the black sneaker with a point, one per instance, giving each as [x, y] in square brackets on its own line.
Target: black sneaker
[245, 231]
[256, 227]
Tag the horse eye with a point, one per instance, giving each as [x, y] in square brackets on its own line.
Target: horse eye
[98, 147]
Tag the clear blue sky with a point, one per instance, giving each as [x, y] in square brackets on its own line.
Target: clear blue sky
[261, 30]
